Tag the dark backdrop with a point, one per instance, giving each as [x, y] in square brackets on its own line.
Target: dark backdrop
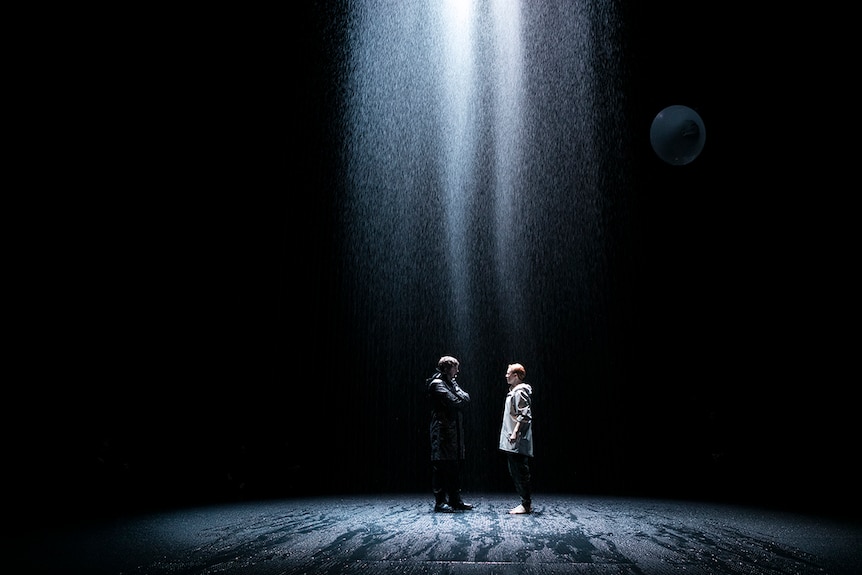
[197, 346]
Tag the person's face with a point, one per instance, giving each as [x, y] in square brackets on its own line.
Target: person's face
[453, 370]
[511, 378]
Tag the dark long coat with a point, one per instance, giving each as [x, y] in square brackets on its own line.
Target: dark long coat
[448, 401]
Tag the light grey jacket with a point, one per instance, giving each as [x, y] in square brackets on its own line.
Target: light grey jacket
[518, 407]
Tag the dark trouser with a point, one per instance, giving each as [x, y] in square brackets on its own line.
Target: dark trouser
[446, 481]
[519, 470]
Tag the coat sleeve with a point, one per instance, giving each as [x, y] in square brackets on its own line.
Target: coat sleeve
[465, 397]
[443, 394]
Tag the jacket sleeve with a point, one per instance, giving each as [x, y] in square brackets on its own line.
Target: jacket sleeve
[521, 408]
[465, 397]
[441, 392]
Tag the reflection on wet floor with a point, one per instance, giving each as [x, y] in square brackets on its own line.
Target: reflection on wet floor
[401, 534]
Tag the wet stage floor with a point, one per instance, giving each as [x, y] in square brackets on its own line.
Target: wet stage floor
[401, 534]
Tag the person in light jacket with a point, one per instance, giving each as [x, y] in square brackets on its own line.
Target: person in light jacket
[516, 435]
[448, 451]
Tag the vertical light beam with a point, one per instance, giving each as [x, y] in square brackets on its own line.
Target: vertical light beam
[460, 105]
[507, 96]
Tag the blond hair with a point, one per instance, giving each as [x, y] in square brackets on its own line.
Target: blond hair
[518, 370]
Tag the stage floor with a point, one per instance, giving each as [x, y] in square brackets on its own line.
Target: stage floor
[401, 534]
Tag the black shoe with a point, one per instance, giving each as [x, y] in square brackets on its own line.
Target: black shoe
[443, 508]
[461, 506]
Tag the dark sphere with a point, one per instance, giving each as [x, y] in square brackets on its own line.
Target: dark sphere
[677, 135]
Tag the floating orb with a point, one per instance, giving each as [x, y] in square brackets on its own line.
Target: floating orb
[677, 135]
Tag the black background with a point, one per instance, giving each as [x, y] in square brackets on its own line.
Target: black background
[184, 342]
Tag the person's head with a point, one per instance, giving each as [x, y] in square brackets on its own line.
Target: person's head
[515, 374]
[448, 365]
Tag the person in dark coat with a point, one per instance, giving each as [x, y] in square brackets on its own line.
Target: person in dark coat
[448, 402]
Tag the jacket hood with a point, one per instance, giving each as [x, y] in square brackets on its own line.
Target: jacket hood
[525, 386]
